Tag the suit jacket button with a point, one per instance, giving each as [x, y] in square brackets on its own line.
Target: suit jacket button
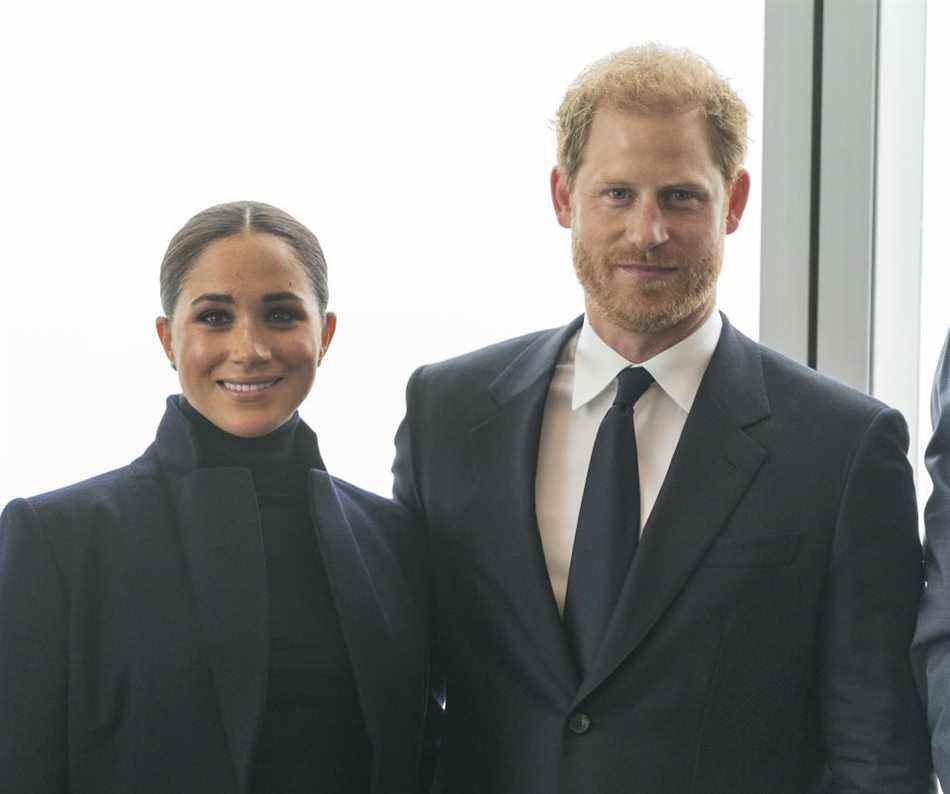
[579, 723]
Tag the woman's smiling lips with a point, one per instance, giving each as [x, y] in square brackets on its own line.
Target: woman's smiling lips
[248, 389]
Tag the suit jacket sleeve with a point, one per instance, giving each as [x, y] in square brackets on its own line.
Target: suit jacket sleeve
[872, 719]
[931, 649]
[33, 632]
[405, 483]
[406, 492]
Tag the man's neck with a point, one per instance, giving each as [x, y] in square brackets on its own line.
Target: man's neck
[638, 347]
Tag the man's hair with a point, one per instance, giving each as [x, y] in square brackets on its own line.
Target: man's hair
[652, 78]
[239, 217]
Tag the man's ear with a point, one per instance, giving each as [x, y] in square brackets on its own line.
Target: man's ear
[164, 328]
[738, 196]
[561, 197]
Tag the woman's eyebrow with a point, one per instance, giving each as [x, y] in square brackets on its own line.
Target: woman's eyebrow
[213, 297]
[274, 297]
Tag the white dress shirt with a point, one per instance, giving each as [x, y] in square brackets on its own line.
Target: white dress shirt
[582, 389]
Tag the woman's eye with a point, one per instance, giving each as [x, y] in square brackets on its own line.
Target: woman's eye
[214, 318]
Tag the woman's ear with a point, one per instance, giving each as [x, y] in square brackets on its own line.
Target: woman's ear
[326, 336]
[164, 328]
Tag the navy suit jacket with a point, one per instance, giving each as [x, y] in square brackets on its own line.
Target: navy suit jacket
[134, 633]
[760, 642]
[932, 641]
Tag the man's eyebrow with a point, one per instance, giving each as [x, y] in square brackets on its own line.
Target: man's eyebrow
[694, 186]
[213, 297]
[275, 297]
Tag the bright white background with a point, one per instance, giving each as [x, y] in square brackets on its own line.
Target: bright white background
[413, 138]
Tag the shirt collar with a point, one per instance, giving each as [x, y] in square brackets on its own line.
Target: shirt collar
[678, 370]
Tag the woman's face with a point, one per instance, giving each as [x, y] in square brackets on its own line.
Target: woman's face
[246, 336]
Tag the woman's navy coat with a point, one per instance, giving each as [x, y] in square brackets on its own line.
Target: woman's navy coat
[134, 626]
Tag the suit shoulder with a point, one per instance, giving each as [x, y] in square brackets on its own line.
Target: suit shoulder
[793, 384]
[485, 361]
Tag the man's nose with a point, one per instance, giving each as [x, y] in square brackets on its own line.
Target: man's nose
[250, 345]
[646, 224]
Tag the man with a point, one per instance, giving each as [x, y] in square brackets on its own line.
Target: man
[665, 559]
[931, 648]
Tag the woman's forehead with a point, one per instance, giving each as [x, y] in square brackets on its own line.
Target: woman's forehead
[247, 263]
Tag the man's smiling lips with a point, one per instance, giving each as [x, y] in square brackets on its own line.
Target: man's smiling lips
[644, 270]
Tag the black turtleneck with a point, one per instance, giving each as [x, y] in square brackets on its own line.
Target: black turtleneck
[312, 736]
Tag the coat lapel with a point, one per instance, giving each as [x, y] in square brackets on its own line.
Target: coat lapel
[221, 537]
[218, 523]
[714, 463]
[384, 648]
[505, 449]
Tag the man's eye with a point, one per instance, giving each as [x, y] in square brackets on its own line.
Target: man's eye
[618, 193]
[214, 318]
[282, 316]
[680, 196]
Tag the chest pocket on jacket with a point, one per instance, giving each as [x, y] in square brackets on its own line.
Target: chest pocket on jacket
[759, 553]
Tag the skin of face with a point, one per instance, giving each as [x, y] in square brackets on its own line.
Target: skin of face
[246, 334]
[648, 214]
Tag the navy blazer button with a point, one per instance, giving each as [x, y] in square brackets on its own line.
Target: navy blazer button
[579, 723]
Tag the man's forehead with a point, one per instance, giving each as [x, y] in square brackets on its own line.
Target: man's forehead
[630, 125]
[678, 142]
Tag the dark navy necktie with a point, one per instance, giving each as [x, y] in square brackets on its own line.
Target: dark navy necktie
[608, 526]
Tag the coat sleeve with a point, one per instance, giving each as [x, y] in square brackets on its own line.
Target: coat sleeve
[872, 721]
[33, 658]
[931, 649]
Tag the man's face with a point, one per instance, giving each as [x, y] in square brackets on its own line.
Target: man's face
[648, 213]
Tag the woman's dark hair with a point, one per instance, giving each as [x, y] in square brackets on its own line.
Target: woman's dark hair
[237, 217]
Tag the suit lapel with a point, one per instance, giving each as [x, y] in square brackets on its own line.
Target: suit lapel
[221, 537]
[714, 463]
[505, 449]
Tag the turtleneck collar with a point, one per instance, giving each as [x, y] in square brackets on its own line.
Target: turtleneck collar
[217, 447]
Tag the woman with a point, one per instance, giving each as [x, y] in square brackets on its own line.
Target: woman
[221, 615]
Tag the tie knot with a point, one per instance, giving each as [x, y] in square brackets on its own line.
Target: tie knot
[631, 383]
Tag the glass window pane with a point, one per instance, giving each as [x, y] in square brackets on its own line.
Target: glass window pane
[935, 275]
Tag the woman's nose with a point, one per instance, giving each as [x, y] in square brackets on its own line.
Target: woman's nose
[250, 346]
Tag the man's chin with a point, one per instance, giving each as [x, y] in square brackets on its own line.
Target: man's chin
[649, 319]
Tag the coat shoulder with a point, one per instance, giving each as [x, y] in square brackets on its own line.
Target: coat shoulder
[384, 527]
[368, 507]
[93, 504]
